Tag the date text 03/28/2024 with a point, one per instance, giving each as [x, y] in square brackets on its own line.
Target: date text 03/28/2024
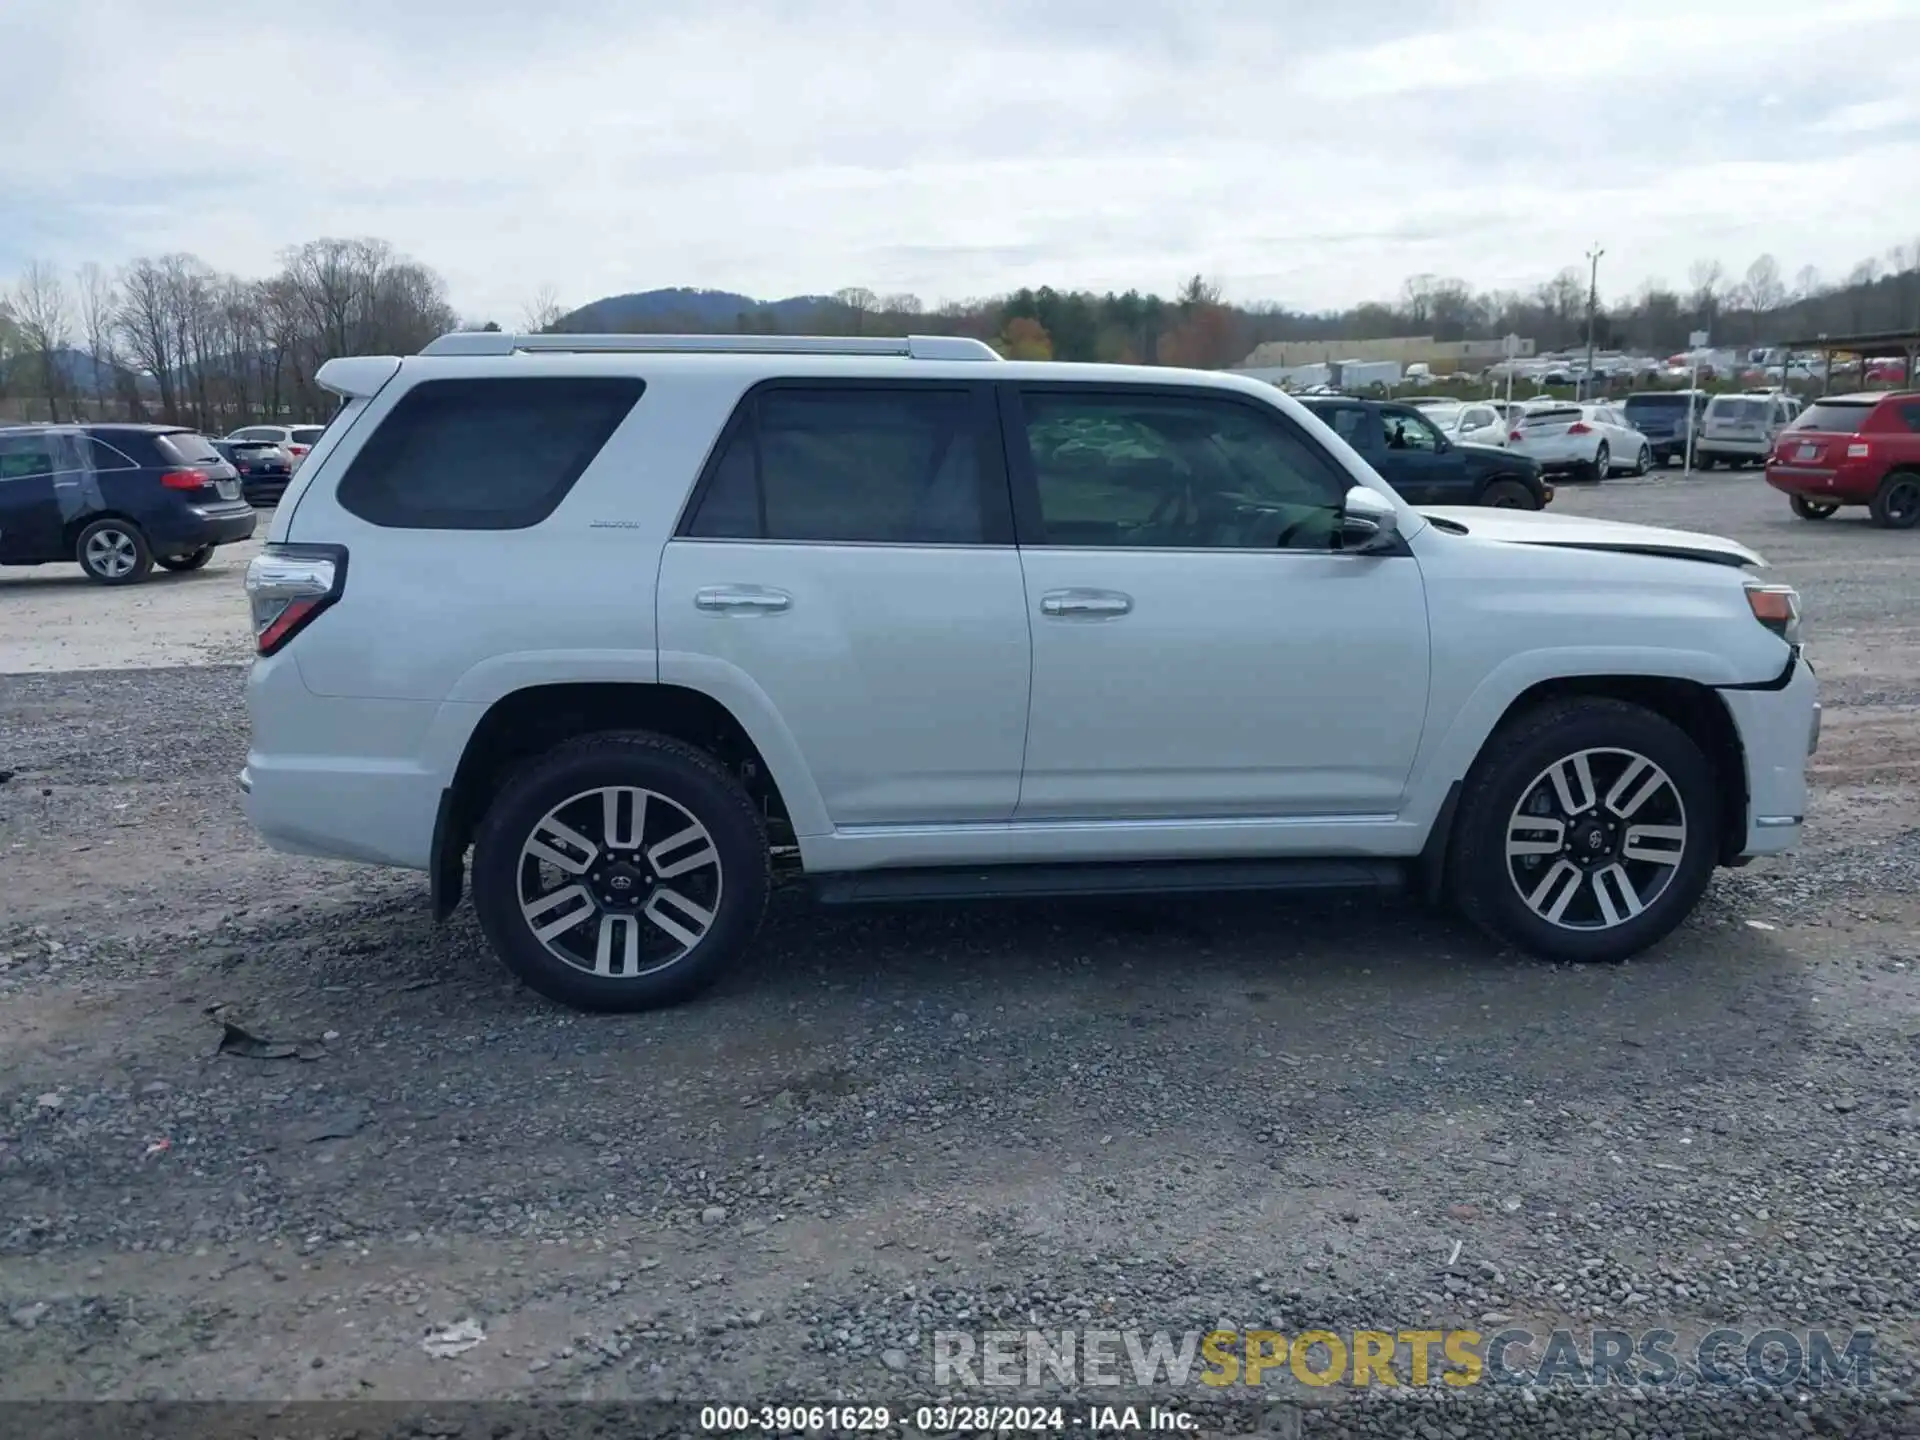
[943, 1419]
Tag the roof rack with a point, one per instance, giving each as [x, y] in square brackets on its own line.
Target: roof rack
[915, 347]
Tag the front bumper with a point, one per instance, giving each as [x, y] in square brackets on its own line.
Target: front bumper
[1779, 728]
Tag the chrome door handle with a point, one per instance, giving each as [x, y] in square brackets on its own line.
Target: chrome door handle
[1085, 602]
[741, 600]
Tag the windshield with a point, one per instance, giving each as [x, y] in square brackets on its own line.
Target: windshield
[1726, 407]
[189, 448]
[1839, 416]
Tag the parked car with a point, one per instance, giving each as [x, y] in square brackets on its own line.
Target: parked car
[297, 440]
[1591, 440]
[264, 468]
[1853, 450]
[116, 499]
[1742, 429]
[1205, 645]
[1481, 423]
[1665, 418]
[1423, 465]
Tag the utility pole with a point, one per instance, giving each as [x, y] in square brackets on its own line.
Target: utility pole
[1593, 304]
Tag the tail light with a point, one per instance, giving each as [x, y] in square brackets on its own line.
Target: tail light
[1859, 450]
[1579, 427]
[183, 480]
[298, 450]
[1516, 437]
[287, 588]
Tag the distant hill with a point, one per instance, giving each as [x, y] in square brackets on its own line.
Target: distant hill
[696, 311]
[21, 374]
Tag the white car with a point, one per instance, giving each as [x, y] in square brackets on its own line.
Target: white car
[1481, 423]
[641, 622]
[296, 440]
[1743, 429]
[1591, 440]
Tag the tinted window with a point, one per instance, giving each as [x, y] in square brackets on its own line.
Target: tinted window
[258, 432]
[24, 455]
[1177, 471]
[495, 454]
[308, 434]
[1833, 415]
[1656, 404]
[1349, 422]
[851, 464]
[101, 456]
[1725, 407]
[188, 448]
[1911, 415]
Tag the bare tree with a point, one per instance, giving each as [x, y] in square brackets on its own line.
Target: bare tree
[45, 320]
[859, 301]
[1806, 282]
[99, 304]
[1765, 292]
[902, 304]
[542, 312]
[1708, 279]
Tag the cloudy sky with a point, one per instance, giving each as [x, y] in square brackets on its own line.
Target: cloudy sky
[1315, 154]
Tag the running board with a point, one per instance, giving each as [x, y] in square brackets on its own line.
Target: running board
[1166, 877]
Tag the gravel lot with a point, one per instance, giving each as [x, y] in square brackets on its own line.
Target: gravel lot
[1165, 1115]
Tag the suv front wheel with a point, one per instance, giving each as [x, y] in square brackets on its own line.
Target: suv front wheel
[621, 871]
[1586, 832]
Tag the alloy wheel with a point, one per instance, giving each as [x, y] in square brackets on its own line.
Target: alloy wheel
[619, 882]
[1596, 838]
[111, 554]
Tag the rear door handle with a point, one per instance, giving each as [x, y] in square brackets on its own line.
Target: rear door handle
[742, 600]
[1092, 603]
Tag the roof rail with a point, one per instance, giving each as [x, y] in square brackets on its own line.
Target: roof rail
[916, 347]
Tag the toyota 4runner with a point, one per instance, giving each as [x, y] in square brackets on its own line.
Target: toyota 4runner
[643, 623]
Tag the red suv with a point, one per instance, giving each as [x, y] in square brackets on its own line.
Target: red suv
[1853, 450]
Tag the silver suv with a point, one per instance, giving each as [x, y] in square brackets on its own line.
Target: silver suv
[1742, 429]
[644, 624]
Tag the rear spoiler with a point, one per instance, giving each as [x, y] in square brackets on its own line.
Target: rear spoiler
[357, 377]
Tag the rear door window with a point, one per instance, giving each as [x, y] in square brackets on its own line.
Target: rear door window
[308, 435]
[101, 456]
[856, 464]
[25, 456]
[484, 454]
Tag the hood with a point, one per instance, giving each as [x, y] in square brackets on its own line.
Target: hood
[1576, 532]
[1473, 449]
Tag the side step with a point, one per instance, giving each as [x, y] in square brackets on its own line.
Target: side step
[1166, 877]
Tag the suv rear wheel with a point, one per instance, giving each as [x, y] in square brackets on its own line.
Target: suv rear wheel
[1812, 509]
[1505, 494]
[621, 871]
[192, 560]
[1587, 831]
[114, 552]
[1896, 504]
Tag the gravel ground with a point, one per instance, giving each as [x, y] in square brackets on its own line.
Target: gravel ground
[1166, 1115]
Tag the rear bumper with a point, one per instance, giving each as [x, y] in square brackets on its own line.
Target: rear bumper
[1779, 727]
[1844, 487]
[1742, 449]
[193, 526]
[344, 778]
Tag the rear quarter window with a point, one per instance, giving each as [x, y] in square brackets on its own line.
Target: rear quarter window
[487, 454]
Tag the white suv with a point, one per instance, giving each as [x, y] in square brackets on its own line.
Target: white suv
[643, 622]
[1743, 429]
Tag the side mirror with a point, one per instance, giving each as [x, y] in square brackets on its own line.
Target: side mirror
[1368, 521]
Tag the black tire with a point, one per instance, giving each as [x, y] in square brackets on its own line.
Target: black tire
[1812, 509]
[114, 552]
[1896, 504]
[1483, 878]
[1703, 462]
[1645, 463]
[1602, 462]
[193, 560]
[684, 776]
[1503, 493]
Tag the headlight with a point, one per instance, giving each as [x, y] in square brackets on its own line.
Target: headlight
[1778, 608]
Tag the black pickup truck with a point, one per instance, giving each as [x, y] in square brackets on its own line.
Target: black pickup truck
[1426, 466]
